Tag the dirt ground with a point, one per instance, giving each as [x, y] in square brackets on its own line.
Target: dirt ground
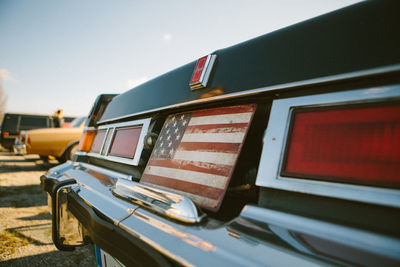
[25, 223]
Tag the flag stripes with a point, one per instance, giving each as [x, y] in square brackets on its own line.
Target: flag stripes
[205, 167]
[213, 180]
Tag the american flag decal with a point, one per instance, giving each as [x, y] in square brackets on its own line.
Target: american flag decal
[196, 152]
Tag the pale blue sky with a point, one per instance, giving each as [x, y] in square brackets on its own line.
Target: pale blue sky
[62, 54]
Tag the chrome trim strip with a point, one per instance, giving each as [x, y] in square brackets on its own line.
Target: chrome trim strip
[166, 203]
[369, 241]
[275, 142]
[111, 129]
[111, 132]
[338, 77]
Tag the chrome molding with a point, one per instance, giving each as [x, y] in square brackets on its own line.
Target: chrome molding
[353, 237]
[250, 92]
[275, 142]
[69, 229]
[166, 203]
[110, 134]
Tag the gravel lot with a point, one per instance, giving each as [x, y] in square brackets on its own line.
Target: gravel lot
[25, 224]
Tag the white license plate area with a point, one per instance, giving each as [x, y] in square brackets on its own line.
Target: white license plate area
[103, 259]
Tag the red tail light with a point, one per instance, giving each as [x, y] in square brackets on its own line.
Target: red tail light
[98, 141]
[359, 144]
[5, 134]
[125, 142]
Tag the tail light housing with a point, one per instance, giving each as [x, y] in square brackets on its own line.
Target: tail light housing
[344, 145]
[125, 142]
[120, 142]
[353, 144]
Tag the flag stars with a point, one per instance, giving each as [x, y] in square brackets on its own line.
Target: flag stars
[171, 135]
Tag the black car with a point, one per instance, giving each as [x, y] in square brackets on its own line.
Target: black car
[282, 150]
[14, 123]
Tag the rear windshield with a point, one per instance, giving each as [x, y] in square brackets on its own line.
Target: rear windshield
[28, 123]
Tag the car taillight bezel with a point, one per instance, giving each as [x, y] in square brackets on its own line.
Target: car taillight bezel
[278, 133]
[111, 130]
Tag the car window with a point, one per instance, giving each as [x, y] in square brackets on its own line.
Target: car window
[28, 123]
[77, 122]
[10, 123]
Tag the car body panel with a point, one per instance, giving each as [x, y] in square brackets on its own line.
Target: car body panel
[255, 237]
[52, 142]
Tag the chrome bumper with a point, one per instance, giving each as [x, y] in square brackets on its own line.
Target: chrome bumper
[19, 149]
[119, 218]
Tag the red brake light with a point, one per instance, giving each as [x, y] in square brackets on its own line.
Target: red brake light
[5, 134]
[98, 141]
[359, 144]
[125, 142]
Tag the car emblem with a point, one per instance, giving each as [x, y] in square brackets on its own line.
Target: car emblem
[202, 72]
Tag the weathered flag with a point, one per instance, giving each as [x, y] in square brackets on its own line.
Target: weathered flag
[196, 152]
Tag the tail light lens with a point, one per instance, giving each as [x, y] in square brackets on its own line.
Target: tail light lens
[5, 134]
[358, 144]
[98, 141]
[125, 142]
[86, 141]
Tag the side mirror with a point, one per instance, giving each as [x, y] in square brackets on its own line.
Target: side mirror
[67, 231]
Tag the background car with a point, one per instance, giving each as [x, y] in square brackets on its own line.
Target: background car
[60, 143]
[14, 123]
